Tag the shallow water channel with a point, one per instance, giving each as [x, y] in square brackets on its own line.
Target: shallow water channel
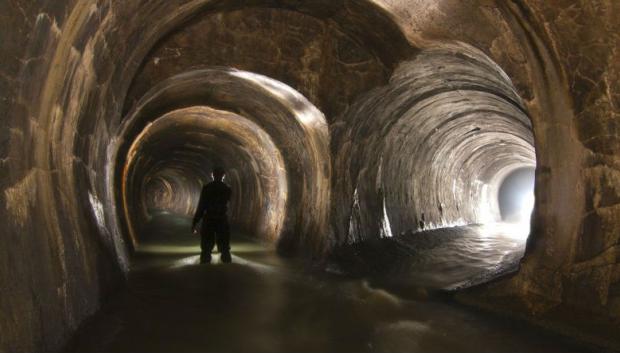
[264, 303]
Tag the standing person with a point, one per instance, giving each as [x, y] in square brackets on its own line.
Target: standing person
[212, 208]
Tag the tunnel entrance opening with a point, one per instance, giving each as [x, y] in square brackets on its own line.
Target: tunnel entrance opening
[516, 196]
[427, 155]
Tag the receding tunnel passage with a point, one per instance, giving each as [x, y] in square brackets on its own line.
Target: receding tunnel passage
[172, 158]
[391, 165]
[430, 151]
[169, 190]
[269, 137]
[443, 134]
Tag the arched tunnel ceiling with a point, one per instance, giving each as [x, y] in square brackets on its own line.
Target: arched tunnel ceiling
[67, 67]
[309, 46]
[296, 127]
[183, 145]
[430, 148]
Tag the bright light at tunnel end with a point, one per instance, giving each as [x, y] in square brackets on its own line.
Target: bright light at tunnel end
[519, 228]
[526, 207]
[516, 198]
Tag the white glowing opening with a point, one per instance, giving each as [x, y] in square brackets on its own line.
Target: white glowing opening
[526, 207]
[516, 198]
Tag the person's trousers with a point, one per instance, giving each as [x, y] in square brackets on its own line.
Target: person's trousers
[215, 230]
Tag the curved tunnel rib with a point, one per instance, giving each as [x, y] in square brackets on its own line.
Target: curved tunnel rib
[68, 67]
[183, 145]
[297, 128]
[444, 132]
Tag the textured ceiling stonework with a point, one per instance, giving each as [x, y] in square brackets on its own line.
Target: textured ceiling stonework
[300, 50]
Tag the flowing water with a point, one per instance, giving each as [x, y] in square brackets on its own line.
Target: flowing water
[264, 303]
[443, 259]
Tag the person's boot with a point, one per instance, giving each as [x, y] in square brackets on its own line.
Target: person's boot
[205, 259]
[226, 258]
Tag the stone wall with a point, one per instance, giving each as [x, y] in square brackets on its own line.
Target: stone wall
[57, 261]
[430, 149]
[307, 53]
[71, 69]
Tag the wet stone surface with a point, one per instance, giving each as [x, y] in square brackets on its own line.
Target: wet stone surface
[66, 67]
[263, 303]
[438, 259]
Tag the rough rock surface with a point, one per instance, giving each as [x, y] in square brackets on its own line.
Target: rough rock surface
[71, 69]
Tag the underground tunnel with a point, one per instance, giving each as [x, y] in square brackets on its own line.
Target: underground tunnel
[274, 153]
[407, 175]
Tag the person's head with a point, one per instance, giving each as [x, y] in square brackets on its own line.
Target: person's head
[218, 173]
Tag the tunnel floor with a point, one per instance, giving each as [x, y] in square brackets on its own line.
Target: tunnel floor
[264, 303]
[441, 259]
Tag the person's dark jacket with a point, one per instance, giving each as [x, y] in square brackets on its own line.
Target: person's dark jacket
[213, 202]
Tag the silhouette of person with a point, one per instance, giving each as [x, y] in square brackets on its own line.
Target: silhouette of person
[212, 208]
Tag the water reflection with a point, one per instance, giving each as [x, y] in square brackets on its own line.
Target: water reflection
[263, 303]
[446, 258]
